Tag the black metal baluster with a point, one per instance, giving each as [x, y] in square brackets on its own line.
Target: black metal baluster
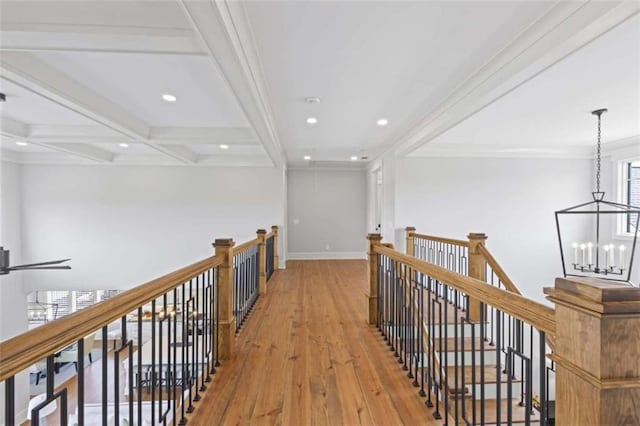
[483, 339]
[420, 295]
[10, 399]
[80, 396]
[105, 389]
[498, 362]
[153, 361]
[187, 358]
[430, 341]
[139, 350]
[509, 372]
[196, 332]
[438, 379]
[174, 366]
[459, 391]
[183, 357]
[543, 376]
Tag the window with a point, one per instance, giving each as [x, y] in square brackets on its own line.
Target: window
[631, 193]
[46, 306]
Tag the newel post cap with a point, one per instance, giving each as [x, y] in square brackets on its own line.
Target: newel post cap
[374, 237]
[224, 242]
[596, 295]
[481, 236]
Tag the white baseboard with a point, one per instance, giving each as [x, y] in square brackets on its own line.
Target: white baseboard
[327, 255]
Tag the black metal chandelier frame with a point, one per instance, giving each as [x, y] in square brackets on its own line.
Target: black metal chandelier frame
[597, 207]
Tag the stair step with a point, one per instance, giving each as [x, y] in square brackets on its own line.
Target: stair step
[465, 344]
[490, 383]
[490, 412]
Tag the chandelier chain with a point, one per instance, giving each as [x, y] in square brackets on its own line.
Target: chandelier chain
[598, 157]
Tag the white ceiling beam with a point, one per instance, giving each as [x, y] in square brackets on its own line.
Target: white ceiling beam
[178, 152]
[13, 128]
[48, 132]
[222, 29]
[81, 150]
[20, 131]
[205, 135]
[80, 38]
[567, 27]
[29, 72]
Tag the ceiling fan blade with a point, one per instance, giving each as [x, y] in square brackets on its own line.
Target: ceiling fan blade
[51, 262]
[25, 267]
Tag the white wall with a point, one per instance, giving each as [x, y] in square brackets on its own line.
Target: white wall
[13, 300]
[122, 226]
[326, 212]
[511, 200]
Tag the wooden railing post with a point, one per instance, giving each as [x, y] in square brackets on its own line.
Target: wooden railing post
[276, 259]
[477, 269]
[227, 325]
[372, 299]
[262, 256]
[597, 352]
[411, 231]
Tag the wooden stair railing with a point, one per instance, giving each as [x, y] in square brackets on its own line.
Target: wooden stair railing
[171, 334]
[422, 312]
[481, 264]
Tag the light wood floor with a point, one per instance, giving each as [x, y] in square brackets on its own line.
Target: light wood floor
[307, 356]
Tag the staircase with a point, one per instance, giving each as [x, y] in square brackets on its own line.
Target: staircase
[476, 358]
[476, 386]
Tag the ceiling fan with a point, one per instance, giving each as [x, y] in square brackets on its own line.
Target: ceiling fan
[5, 268]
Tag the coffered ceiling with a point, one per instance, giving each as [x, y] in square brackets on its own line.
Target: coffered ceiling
[84, 80]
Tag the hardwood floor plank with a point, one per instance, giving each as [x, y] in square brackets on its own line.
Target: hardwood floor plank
[306, 356]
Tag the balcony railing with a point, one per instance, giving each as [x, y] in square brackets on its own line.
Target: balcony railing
[168, 338]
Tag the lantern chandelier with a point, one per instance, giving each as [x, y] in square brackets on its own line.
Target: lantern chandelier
[590, 228]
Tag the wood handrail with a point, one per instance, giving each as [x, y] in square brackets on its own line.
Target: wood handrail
[538, 315]
[246, 246]
[497, 269]
[269, 235]
[461, 243]
[18, 353]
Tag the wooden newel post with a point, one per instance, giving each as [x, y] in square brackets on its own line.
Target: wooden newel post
[411, 232]
[276, 259]
[227, 324]
[597, 352]
[372, 299]
[477, 270]
[262, 256]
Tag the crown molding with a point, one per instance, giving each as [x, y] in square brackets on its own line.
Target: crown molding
[566, 27]
[501, 151]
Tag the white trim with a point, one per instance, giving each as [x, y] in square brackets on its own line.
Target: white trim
[565, 28]
[327, 255]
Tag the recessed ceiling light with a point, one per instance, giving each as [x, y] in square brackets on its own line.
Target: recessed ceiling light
[312, 100]
[382, 122]
[169, 97]
[123, 145]
[21, 143]
[307, 157]
[312, 120]
[354, 158]
[223, 146]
